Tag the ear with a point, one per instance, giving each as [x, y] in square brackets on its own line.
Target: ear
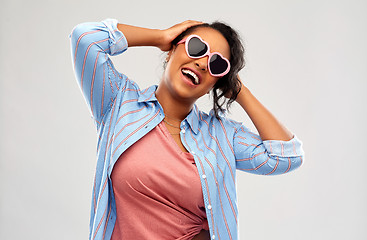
[170, 52]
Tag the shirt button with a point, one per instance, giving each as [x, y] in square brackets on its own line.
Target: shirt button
[183, 130]
[204, 176]
[183, 123]
[209, 206]
[213, 237]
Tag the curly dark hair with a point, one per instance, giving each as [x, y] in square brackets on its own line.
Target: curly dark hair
[229, 84]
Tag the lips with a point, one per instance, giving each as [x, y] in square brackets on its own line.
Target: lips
[192, 75]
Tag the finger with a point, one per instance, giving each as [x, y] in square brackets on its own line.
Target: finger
[190, 23]
[193, 22]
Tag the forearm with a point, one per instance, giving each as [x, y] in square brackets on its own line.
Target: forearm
[138, 36]
[266, 124]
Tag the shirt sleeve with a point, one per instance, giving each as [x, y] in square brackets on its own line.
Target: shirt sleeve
[270, 157]
[99, 81]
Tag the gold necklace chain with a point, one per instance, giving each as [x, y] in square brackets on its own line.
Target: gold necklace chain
[171, 124]
[165, 115]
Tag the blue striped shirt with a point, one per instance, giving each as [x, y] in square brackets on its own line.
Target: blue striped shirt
[123, 114]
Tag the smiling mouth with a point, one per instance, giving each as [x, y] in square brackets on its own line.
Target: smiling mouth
[191, 75]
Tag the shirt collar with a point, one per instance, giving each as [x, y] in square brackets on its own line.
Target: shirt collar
[192, 119]
[148, 94]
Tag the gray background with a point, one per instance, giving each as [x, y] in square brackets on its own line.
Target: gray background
[306, 62]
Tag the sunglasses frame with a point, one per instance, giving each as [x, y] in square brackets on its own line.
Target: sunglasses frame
[208, 53]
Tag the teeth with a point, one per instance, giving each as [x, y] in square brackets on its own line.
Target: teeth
[186, 71]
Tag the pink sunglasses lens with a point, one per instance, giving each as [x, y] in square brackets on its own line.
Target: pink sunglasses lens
[217, 64]
[196, 47]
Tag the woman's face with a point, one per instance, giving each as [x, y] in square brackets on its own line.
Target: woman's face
[176, 77]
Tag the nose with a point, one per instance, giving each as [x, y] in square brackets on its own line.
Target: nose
[201, 63]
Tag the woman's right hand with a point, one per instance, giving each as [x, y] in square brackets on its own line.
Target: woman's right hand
[169, 34]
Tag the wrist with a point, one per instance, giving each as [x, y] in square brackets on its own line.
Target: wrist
[153, 37]
[242, 94]
[163, 40]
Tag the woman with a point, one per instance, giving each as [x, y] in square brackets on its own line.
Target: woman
[166, 170]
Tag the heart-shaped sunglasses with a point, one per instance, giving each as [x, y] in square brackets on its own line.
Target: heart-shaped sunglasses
[197, 48]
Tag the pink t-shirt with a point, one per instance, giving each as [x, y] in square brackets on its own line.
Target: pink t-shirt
[157, 190]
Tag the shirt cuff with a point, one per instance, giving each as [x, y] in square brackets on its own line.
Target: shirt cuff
[117, 41]
[291, 148]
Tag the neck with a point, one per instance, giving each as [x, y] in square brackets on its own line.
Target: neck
[174, 108]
